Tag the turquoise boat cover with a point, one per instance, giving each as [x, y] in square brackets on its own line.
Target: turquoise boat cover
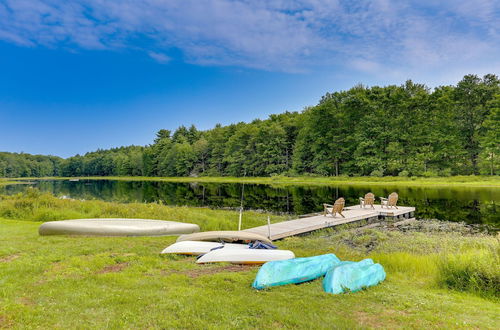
[353, 276]
[297, 270]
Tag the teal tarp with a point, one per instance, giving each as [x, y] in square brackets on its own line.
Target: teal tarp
[353, 276]
[298, 270]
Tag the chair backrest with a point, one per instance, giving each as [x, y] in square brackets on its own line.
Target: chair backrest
[393, 199]
[338, 206]
[369, 199]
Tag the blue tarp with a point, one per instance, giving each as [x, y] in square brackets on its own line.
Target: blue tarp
[298, 270]
[353, 276]
[261, 245]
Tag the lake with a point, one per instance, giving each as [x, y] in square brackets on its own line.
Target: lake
[468, 204]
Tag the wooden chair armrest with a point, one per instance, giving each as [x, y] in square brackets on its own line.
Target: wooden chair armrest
[327, 205]
[383, 199]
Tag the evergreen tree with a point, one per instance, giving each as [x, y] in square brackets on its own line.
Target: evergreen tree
[471, 95]
[490, 142]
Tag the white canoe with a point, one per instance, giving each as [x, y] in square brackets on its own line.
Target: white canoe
[116, 227]
[225, 236]
[198, 247]
[247, 256]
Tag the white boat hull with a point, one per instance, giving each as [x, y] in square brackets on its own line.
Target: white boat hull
[116, 227]
[226, 236]
[198, 247]
[247, 256]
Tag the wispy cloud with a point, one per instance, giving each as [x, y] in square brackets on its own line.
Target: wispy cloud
[281, 35]
[159, 57]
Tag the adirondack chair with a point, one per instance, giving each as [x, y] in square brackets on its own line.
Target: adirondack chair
[337, 207]
[389, 202]
[369, 199]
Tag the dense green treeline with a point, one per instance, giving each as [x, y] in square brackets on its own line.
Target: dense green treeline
[116, 161]
[13, 165]
[407, 130]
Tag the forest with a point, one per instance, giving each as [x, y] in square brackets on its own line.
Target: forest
[407, 130]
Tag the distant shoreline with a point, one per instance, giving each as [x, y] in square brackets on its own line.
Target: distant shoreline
[454, 181]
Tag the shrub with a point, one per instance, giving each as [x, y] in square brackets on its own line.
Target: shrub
[405, 262]
[477, 272]
[446, 172]
[377, 173]
[404, 173]
[429, 174]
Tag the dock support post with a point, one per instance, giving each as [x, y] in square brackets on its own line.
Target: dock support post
[241, 204]
[269, 227]
[239, 222]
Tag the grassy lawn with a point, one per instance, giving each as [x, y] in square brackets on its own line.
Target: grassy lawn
[470, 181]
[82, 282]
[123, 282]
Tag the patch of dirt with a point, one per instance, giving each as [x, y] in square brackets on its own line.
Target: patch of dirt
[376, 321]
[40, 282]
[214, 270]
[277, 324]
[55, 267]
[9, 258]
[116, 268]
[367, 244]
[5, 322]
[210, 270]
[372, 321]
[123, 254]
[26, 301]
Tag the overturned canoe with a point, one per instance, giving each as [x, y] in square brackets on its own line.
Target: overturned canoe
[351, 276]
[116, 227]
[199, 247]
[245, 256]
[224, 236]
[294, 271]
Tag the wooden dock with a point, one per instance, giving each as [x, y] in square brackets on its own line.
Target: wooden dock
[319, 221]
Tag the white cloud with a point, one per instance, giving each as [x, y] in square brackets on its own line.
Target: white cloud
[159, 57]
[281, 35]
[365, 65]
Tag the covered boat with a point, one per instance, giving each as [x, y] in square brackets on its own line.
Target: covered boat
[298, 270]
[351, 276]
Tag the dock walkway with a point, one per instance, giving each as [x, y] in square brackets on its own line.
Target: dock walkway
[319, 221]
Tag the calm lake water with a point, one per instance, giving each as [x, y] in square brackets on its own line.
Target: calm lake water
[472, 205]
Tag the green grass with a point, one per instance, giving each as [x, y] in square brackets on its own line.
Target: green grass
[4, 181]
[476, 271]
[470, 181]
[37, 206]
[118, 282]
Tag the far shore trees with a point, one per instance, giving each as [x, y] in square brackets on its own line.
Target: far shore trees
[407, 130]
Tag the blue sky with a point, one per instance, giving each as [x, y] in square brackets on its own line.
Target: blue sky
[80, 75]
